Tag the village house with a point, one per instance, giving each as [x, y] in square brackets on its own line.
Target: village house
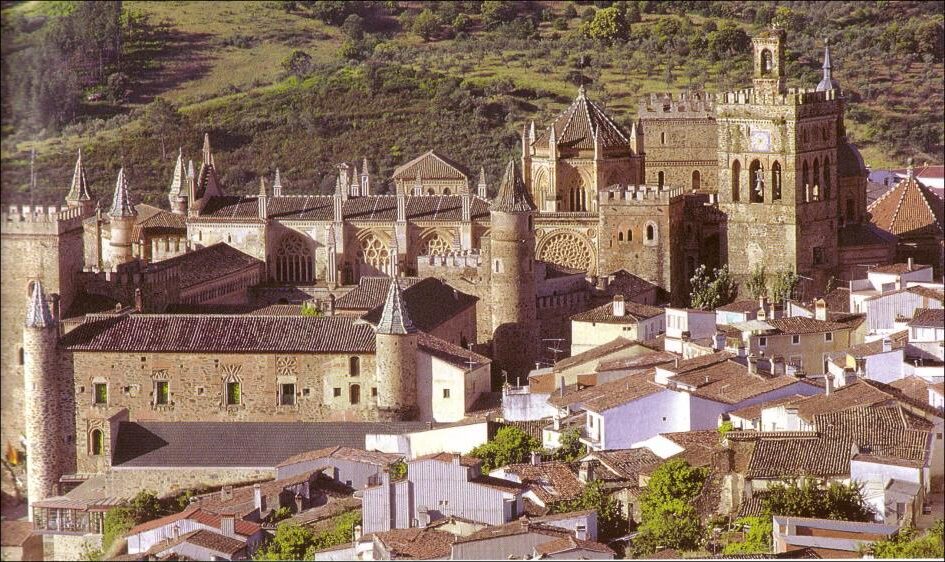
[355, 468]
[201, 544]
[525, 539]
[141, 538]
[827, 538]
[620, 318]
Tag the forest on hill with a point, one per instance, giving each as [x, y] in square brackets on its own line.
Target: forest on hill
[304, 85]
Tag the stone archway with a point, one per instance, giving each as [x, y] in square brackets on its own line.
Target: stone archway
[569, 249]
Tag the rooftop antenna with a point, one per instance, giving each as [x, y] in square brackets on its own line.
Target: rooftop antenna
[470, 362]
[554, 347]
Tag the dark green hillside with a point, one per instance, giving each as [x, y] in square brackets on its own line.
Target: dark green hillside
[303, 85]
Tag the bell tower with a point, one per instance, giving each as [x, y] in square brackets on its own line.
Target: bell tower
[768, 75]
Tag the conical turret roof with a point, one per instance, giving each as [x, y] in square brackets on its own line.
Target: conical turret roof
[394, 318]
[38, 314]
[79, 190]
[512, 196]
[121, 202]
[178, 186]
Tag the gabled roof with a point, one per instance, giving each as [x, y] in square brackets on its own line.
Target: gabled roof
[550, 481]
[928, 318]
[416, 543]
[582, 122]
[594, 353]
[371, 292]
[429, 302]
[627, 463]
[512, 196]
[432, 166]
[205, 264]
[803, 325]
[910, 208]
[569, 544]
[634, 312]
[612, 394]
[199, 515]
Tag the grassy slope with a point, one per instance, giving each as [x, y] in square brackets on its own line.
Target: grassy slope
[255, 115]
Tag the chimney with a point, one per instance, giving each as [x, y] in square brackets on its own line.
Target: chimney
[718, 341]
[752, 364]
[330, 305]
[829, 380]
[557, 423]
[561, 385]
[139, 302]
[357, 532]
[580, 532]
[910, 263]
[586, 472]
[228, 525]
[675, 362]
[620, 308]
[887, 345]
[536, 458]
[820, 310]
[259, 502]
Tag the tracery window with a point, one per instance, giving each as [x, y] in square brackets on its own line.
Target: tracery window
[294, 262]
[567, 249]
[437, 245]
[374, 253]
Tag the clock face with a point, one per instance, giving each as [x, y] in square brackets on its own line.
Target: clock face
[760, 141]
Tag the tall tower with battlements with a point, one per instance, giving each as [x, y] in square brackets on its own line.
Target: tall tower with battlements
[777, 165]
[512, 276]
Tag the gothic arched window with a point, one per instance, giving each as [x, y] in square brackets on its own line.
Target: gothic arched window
[696, 180]
[776, 181]
[660, 178]
[294, 261]
[354, 394]
[756, 182]
[374, 253]
[354, 366]
[805, 178]
[437, 245]
[767, 63]
[826, 177]
[736, 178]
[97, 442]
[816, 179]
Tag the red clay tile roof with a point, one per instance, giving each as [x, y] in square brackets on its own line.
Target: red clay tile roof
[897, 339]
[611, 394]
[909, 209]
[432, 166]
[216, 542]
[605, 313]
[152, 221]
[745, 305]
[729, 382]
[629, 285]
[376, 458]
[417, 544]
[697, 445]
[638, 362]
[898, 268]
[928, 318]
[577, 125]
[371, 292]
[568, 544]
[594, 353]
[206, 264]
[550, 481]
[627, 463]
[195, 513]
[500, 484]
[518, 527]
[464, 460]
[240, 500]
[231, 334]
[928, 292]
[451, 353]
[803, 325]
[14, 533]
[753, 412]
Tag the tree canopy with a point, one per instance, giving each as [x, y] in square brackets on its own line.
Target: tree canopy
[669, 518]
[509, 446]
[712, 290]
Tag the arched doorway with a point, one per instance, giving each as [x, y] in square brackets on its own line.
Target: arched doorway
[696, 180]
[354, 394]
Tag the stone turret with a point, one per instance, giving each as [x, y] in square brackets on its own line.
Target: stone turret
[179, 186]
[396, 359]
[122, 215]
[277, 185]
[79, 195]
[482, 188]
[48, 399]
[512, 275]
[365, 179]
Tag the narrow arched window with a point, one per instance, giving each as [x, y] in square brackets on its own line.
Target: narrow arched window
[696, 180]
[659, 179]
[650, 232]
[354, 394]
[756, 182]
[736, 179]
[766, 62]
[663, 138]
[354, 366]
[826, 177]
[20, 355]
[446, 191]
[805, 175]
[629, 235]
[620, 236]
[776, 181]
[97, 442]
[816, 179]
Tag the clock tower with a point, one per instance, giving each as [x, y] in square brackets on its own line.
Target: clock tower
[777, 158]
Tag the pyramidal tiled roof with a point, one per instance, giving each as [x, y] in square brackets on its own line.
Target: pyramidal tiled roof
[121, 202]
[431, 165]
[577, 126]
[38, 314]
[79, 190]
[909, 208]
[394, 318]
[512, 196]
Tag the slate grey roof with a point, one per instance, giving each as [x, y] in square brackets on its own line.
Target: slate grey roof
[243, 444]
[429, 302]
[512, 196]
[38, 314]
[79, 190]
[394, 317]
[121, 202]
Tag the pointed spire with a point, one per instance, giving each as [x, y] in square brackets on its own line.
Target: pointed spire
[827, 82]
[481, 188]
[394, 318]
[207, 154]
[512, 196]
[277, 185]
[531, 131]
[38, 314]
[79, 190]
[121, 202]
[262, 187]
[190, 170]
[177, 183]
[364, 167]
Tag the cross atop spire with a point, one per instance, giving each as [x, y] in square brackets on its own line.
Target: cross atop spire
[394, 318]
[512, 196]
[79, 190]
[38, 314]
[121, 202]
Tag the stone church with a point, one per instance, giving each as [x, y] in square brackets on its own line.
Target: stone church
[761, 176]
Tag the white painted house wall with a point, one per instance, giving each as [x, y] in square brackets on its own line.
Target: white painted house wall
[434, 376]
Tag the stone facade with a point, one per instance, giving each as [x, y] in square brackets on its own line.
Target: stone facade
[681, 141]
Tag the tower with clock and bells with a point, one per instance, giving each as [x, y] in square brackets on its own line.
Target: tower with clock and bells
[777, 162]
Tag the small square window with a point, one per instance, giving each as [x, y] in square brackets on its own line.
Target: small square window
[446, 393]
[762, 342]
[336, 392]
[287, 394]
[828, 336]
[101, 393]
[161, 392]
[233, 394]
[200, 391]
[795, 339]
[374, 391]
[306, 391]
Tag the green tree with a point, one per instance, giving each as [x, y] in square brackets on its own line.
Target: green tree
[609, 25]
[783, 285]
[728, 40]
[398, 470]
[610, 519]
[298, 63]
[160, 119]
[757, 538]
[569, 11]
[353, 27]
[757, 284]
[570, 447]
[291, 542]
[787, 19]
[462, 22]
[509, 446]
[909, 543]
[118, 521]
[496, 12]
[669, 518]
[712, 290]
[427, 25]
[309, 309]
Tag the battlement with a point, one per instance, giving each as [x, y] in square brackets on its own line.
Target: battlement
[37, 219]
[793, 97]
[635, 193]
[686, 105]
[448, 265]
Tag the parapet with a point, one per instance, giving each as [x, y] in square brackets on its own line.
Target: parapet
[793, 97]
[686, 105]
[639, 193]
[452, 264]
[40, 220]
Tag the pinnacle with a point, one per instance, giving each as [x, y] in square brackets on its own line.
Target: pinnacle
[394, 318]
[177, 183]
[121, 203]
[512, 196]
[79, 190]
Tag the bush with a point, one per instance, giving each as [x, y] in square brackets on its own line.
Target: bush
[560, 24]
[569, 11]
[509, 446]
